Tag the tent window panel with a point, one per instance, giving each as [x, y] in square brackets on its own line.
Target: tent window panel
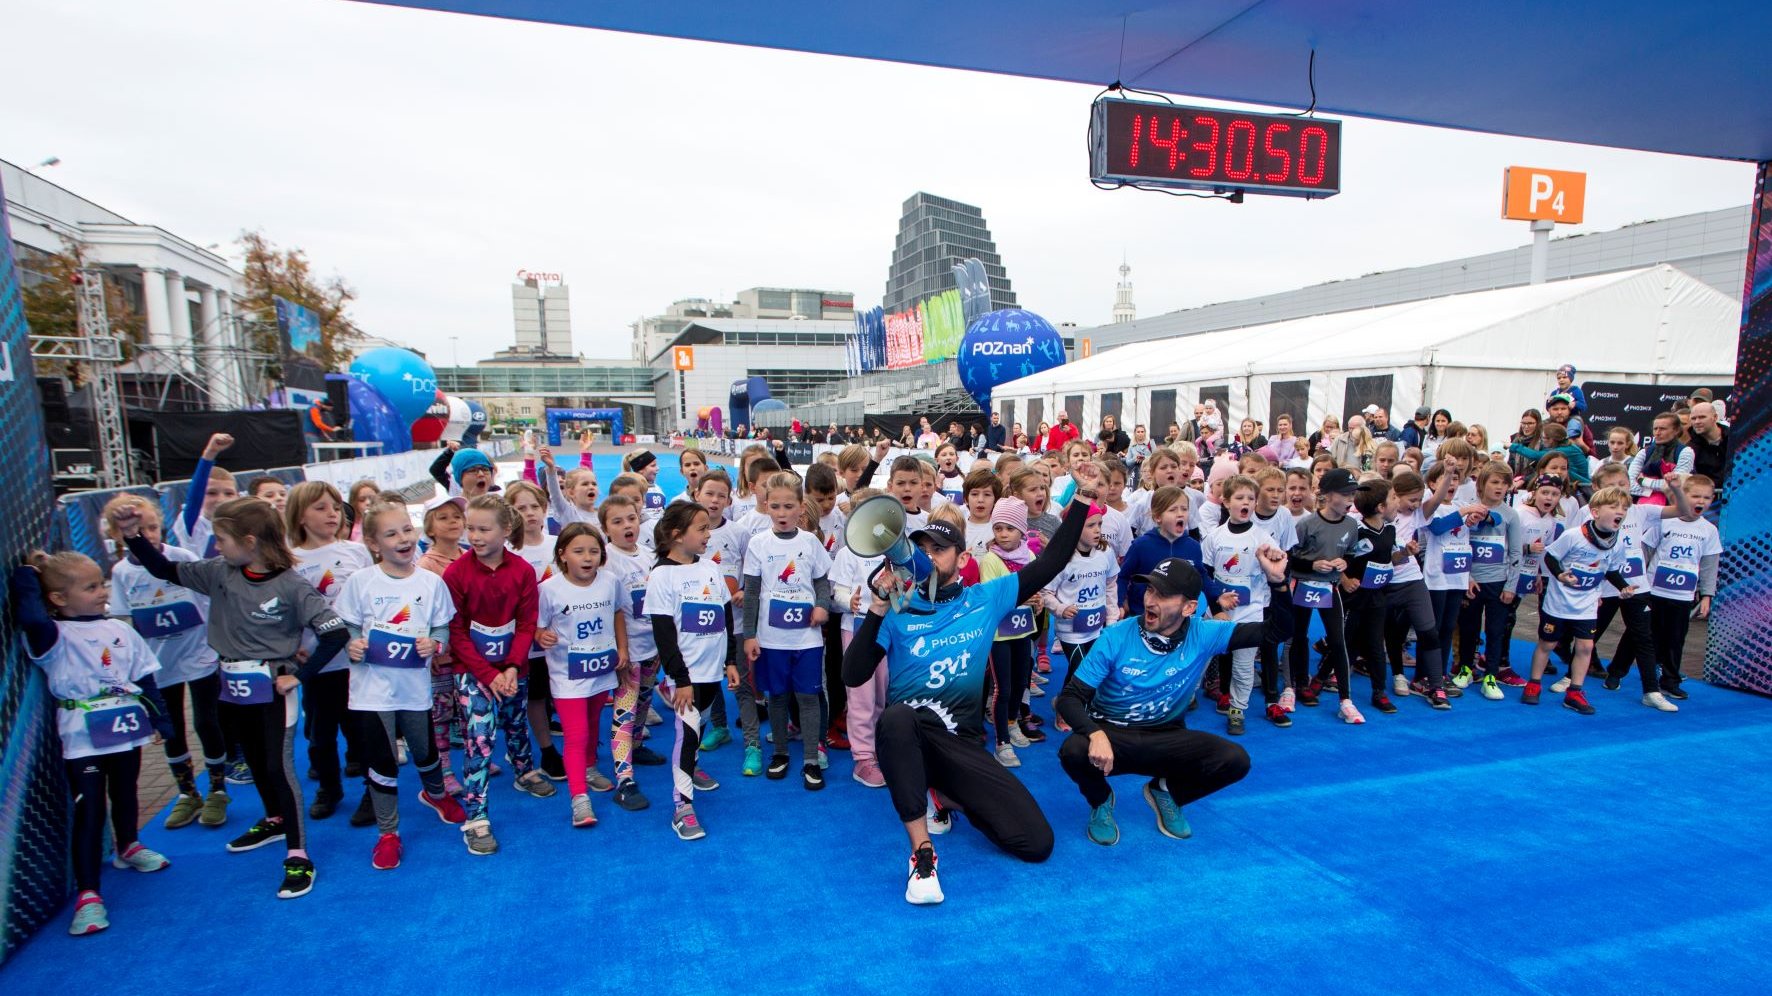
[1073, 405]
[1162, 412]
[1289, 397]
[1363, 391]
[1006, 412]
[1036, 414]
[1221, 395]
[1111, 405]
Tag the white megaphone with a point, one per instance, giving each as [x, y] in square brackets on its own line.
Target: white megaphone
[876, 529]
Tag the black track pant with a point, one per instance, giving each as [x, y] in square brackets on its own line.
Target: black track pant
[1333, 635]
[1638, 645]
[1412, 607]
[1669, 620]
[835, 692]
[267, 735]
[1012, 667]
[207, 722]
[327, 699]
[94, 781]
[1367, 611]
[917, 753]
[1487, 615]
[1193, 765]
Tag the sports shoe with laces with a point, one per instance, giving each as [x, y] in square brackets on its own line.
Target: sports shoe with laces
[1278, 716]
[1400, 686]
[923, 888]
[1491, 688]
[239, 773]
[646, 757]
[140, 858]
[477, 834]
[298, 878]
[582, 813]
[364, 815]
[534, 783]
[1288, 701]
[1311, 694]
[1562, 684]
[258, 835]
[1383, 704]
[1170, 819]
[937, 819]
[1224, 704]
[1530, 695]
[1036, 691]
[1672, 690]
[629, 797]
[1032, 731]
[1656, 700]
[1006, 756]
[1576, 699]
[1439, 700]
[703, 781]
[867, 772]
[1016, 738]
[1611, 684]
[598, 781]
[715, 738]
[386, 854]
[1350, 713]
[1511, 678]
[1103, 829]
[183, 811]
[1462, 677]
[89, 915]
[1043, 663]
[1233, 723]
[778, 767]
[753, 762]
[446, 807]
[685, 823]
[812, 777]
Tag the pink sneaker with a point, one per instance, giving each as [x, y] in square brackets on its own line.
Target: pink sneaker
[1350, 713]
[868, 773]
[1288, 701]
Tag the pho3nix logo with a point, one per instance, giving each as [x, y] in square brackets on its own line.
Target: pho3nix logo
[271, 608]
[1022, 348]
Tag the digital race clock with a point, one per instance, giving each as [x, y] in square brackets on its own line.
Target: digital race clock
[1172, 145]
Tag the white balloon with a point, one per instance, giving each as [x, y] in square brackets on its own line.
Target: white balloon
[460, 417]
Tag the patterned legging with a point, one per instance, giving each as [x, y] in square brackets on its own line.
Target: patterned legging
[485, 716]
[633, 700]
[445, 718]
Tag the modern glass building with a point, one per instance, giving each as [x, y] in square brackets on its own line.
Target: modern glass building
[933, 235]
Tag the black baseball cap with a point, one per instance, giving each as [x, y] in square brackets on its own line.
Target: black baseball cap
[942, 534]
[1338, 480]
[1173, 576]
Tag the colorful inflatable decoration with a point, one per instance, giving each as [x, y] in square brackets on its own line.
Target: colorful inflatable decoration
[460, 417]
[400, 376]
[1004, 345]
[373, 419]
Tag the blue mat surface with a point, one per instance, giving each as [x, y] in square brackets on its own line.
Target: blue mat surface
[1495, 848]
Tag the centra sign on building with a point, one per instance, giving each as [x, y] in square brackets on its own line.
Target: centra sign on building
[538, 276]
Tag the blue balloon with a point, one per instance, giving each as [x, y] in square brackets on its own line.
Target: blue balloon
[1003, 345]
[476, 424]
[374, 420]
[401, 377]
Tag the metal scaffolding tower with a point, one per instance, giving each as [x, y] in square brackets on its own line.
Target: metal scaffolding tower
[101, 352]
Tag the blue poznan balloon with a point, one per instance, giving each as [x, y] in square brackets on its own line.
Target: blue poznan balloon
[373, 419]
[401, 377]
[1003, 345]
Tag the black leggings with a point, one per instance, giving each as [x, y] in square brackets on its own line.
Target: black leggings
[836, 694]
[1669, 620]
[1333, 634]
[1193, 765]
[1366, 614]
[917, 753]
[327, 700]
[1074, 653]
[1012, 667]
[93, 781]
[1638, 645]
[203, 692]
[1412, 608]
[690, 723]
[267, 735]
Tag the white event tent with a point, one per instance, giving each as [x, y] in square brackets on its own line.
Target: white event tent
[1486, 356]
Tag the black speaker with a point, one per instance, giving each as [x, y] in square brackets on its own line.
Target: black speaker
[54, 392]
[339, 394]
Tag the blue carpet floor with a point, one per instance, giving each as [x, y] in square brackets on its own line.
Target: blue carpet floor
[1495, 848]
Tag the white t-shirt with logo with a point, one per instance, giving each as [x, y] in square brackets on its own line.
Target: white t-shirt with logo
[632, 573]
[582, 662]
[694, 596]
[1638, 533]
[1231, 556]
[392, 613]
[1534, 528]
[849, 571]
[90, 658]
[1675, 571]
[1590, 565]
[1084, 582]
[1447, 556]
[172, 619]
[327, 568]
[786, 569]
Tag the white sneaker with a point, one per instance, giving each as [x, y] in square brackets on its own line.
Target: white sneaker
[1656, 700]
[1006, 756]
[1561, 685]
[400, 755]
[938, 821]
[653, 718]
[1350, 713]
[923, 887]
[141, 859]
[1400, 686]
[1491, 688]
[1018, 738]
[1288, 701]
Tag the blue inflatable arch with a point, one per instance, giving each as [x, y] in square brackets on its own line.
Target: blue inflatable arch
[558, 415]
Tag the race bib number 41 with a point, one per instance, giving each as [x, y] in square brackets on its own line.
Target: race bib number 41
[165, 620]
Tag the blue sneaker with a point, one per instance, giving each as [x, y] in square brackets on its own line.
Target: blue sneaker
[753, 761]
[239, 774]
[715, 737]
[1169, 816]
[1102, 828]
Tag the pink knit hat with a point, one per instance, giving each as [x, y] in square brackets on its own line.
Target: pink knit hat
[1011, 512]
[1223, 467]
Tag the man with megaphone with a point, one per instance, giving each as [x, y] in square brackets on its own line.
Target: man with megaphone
[936, 642]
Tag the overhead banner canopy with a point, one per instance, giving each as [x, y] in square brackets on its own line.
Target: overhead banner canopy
[1635, 74]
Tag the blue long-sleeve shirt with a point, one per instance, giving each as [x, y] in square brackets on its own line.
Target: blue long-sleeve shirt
[1147, 552]
[194, 497]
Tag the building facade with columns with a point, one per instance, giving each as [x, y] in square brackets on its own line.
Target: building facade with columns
[185, 293]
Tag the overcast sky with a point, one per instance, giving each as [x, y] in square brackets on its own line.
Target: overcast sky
[427, 157]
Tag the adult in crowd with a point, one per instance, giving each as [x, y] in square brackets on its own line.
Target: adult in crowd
[927, 437]
[1324, 437]
[1248, 438]
[1560, 408]
[1378, 422]
[937, 652]
[907, 438]
[1530, 436]
[1709, 440]
[1211, 438]
[1127, 701]
[320, 420]
[1283, 443]
[1112, 441]
[1353, 449]
[1416, 432]
[1438, 431]
[1063, 432]
[996, 439]
[1137, 454]
[1041, 437]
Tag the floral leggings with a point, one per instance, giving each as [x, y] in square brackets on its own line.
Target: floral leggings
[633, 700]
[485, 716]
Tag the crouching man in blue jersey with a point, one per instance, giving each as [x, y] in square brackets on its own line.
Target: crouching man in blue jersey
[1127, 701]
[937, 652]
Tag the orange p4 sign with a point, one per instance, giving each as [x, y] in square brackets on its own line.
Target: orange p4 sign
[1530, 194]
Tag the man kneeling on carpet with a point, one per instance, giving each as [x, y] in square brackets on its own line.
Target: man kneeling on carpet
[931, 735]
[1127, 701]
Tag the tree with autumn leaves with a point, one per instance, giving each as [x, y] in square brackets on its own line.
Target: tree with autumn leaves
[286, 273]
[52, 305]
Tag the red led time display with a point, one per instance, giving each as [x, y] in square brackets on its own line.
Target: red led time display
[1208, 148]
